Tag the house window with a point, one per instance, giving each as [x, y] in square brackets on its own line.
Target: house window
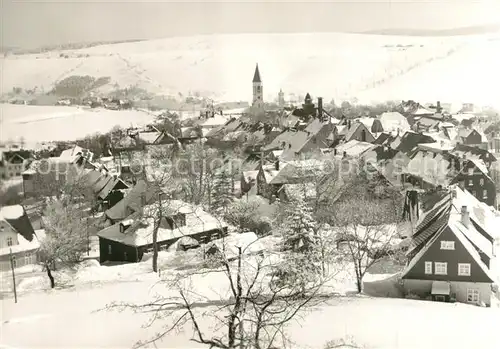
[363, 136]
[474, 193]
[471, 171]
[428, 267]
[28, 259]
[470, 182]
[125, 257]
[472, 295]
[447, 245]
[485, 194]
[481, 182]
[464, 269]
[109, 249]
[9, 241]
[441, 268]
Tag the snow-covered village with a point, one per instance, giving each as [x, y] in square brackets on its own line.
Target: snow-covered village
[261, 210]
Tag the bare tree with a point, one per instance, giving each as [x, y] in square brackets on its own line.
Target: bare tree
[253, 315]
[65, 240]
[368, 232]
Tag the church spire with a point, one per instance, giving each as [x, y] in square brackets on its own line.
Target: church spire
[256, 75]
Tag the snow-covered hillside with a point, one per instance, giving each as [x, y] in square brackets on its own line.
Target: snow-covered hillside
[331, 64]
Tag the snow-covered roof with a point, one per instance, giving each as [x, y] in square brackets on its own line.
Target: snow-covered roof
[431, 167]
[468, 235]
[228, 245]
[197, 221]
[392, 121]
[354, 148]
[11, 212]
[442, 145]
[24, 245]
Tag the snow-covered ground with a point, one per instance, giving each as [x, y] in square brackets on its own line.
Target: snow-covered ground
[57, 123]
[67, 316]
[63, 319]
[337, 65]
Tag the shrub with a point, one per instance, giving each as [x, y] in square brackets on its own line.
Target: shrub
[74, 86]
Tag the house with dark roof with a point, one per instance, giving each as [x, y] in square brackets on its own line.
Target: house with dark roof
[431, 168]
[271, 178]
[105, 188]
[451, 250]
[472, 137]
[137, 197]
[359, 132]
[12, 164]
[472, 152]
[129, 239]
[17, 237]
[409, 141]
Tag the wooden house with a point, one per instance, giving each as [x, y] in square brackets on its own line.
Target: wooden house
[450, 253]
[129, 239]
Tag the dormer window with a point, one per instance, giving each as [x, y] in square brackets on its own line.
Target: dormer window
[471, 171]
[124, 225]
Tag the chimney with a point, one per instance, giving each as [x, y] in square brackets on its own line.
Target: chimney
[345, 154]
[349, 124]
[465, 216]
[334, 151]
[438, 107]
[261, 158]
[320, 108]
[277, 165]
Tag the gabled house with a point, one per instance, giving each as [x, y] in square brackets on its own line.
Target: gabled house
[409, 141]
[12, 164]
[127, 240]
[272, 177]
[17, 236]
[393, 121]
[359, 132]
[373, 124]
[472, 137]
[451, 251]
[105, 188]
[472, 152]
[138, 196]
[430, 168]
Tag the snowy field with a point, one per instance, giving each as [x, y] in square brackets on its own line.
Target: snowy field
[64, 319]
[57, 123]
[333, 65]
[336, 65]
[68, 316]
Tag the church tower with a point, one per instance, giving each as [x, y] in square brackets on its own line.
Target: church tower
[258, 93]
[281, 99]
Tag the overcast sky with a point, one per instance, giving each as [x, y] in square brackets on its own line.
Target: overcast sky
[29, 23]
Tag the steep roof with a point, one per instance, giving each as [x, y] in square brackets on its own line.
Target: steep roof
[133, 200]
[410, 140]
[16, 217]
[140, 232]
[446, 214]
[294, 171]
[256, 75]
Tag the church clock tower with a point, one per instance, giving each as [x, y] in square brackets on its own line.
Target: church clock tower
[258, 93]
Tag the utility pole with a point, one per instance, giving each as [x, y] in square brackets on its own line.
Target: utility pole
[88, 238]
[12, 258]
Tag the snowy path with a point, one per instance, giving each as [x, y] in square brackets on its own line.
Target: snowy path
[67, 319]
